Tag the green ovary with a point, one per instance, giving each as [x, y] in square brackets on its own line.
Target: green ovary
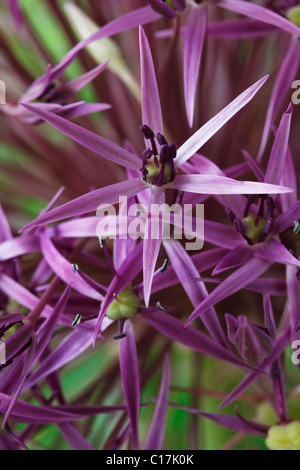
[254, 232]
[153, 172]
[170, 4]
[293, 14]
[126, 306]
[284, 437]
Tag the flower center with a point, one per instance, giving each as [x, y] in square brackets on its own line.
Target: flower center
[255, 228]
[126, 305]
[52, 95]
[157, 168]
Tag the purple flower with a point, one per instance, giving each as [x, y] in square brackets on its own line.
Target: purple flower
[159, 170]
[45, 94]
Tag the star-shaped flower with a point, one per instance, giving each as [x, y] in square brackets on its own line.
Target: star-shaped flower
[159, 169]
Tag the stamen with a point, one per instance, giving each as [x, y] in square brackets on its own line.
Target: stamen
[262, 205]
[160, 307]
[75, 267]
[157, 169]
[164, 266]
[77, 320]
[230, 215]
[160, 139]
[242, 230]
[250, 201]
[270, 206]
[147, 131]
[149, 134]
[102, 242]
[120, 335]
[147, 153]
[107, 256]
[296, 227]
[269, 226]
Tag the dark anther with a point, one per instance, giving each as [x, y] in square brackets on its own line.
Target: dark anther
[250, 201]
[270, 206]
[164, 266]
[120, 336]
[261, 205]
[269, 225]
[164, 154]
[160, 139]
[102, 242]
[147, 153]
[75, 267]
[242, 230]
[296, 227]
[240, 227]
[230, 215]
[77, 320]
[147, 131]
[160, 307]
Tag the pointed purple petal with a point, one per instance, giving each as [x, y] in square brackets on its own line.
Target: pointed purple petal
[90, 202]
[269, 319]
[27, 413]
[272, 250]
[80, 82]
[231, 422]
[279, 150]
[285, 77]
[151, 245]
[83, 110]
[130, 379]
[26, 368]
[190, 337]
[71, 347]
[197, 140]
[221, 235]
[207, 184]
[151, 111]
[128, 21]
[293, 298]
[19, 246]
[289, 177]
[239, 255]
[241, 28]
[202, 261]
[279, 346]
[260, 13]
[236, 281]
[63, 268]
[88, 139]
[193, 46]
[74, 438]
[195, 290]
[5, 231]
[157, 429]
[46, 330]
